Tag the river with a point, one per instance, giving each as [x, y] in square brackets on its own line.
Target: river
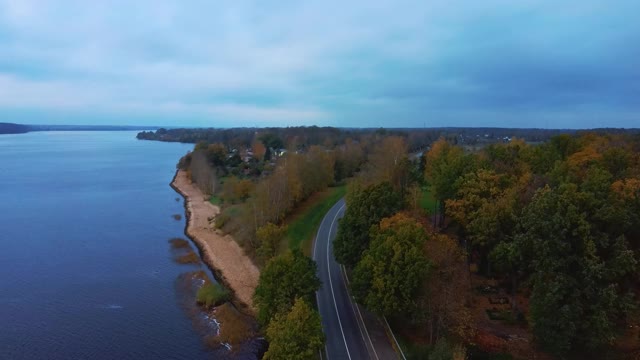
[86, 271]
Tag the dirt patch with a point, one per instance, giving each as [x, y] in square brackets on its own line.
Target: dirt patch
[235, 328]
[219, 251]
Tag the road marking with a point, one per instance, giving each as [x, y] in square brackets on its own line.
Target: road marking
[335, 303]
[315, 243]
[313, 256]
[344, 274]
[394, 338]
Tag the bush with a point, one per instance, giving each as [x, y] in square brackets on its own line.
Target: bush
[221, 220]
[210, 295]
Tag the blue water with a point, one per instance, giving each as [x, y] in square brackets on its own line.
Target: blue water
[85, 268]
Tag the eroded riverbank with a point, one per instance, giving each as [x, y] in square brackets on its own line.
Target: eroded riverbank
[220, 252]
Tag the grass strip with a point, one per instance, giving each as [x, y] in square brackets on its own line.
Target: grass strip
[304, 225]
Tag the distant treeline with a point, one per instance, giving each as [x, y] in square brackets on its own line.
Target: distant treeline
[10, 128]
[89, 127]
[304, 137]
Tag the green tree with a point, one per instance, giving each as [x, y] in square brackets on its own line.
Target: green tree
[271, 140]
[217, 154]
[391, 271]
[445, 165]
[283, 279]
[365, 207]
[579, 273]
[295, 335]
[485, 208]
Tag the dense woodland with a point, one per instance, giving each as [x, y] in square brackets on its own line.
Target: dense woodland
[554, 222]
[559, 220]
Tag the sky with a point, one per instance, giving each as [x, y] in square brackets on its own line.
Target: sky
[371, 63]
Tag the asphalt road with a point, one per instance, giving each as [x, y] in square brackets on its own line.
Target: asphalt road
[346, 337]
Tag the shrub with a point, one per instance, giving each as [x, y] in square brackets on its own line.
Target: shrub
[221, 220]
[210, 295]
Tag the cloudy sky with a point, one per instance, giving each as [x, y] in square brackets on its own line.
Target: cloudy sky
[506, 63]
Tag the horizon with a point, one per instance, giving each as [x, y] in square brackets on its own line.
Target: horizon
[135, 127]
[408, 64]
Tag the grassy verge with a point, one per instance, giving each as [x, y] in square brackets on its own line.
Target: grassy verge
[303, 225]
[427, 201]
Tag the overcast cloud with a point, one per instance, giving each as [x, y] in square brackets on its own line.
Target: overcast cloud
[367, 63]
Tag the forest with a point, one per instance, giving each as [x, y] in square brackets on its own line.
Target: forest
[526, 248]
[548, 233]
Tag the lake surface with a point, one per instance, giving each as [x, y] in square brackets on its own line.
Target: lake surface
[86, 271]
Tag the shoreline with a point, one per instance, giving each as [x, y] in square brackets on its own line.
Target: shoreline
[222, 255]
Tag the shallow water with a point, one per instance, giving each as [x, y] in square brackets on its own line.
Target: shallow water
[85, 267]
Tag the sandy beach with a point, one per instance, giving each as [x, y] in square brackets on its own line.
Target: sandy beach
[220, 252]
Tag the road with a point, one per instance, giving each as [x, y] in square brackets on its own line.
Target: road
[346, 337]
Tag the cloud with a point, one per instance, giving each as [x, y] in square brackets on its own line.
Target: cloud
[381, 63]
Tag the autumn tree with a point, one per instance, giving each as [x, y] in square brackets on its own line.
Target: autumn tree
[259, 150]
[283, 279]
[318, 170]
[388, 276]
[202, 173]
[296, 334]
[348, 160]
[485, 206]
[216, 154]
[389, 162]
[365, 207]
[504, 157]
[236, 190]
[269, 237]
[442, 302]
[622, 209]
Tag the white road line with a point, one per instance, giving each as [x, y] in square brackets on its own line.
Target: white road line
[394, 338]
[315, 243]
[313, 256]
[344, 273]
[335, 303]
[353, 308]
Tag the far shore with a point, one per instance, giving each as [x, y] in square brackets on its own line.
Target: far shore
[220, 252]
